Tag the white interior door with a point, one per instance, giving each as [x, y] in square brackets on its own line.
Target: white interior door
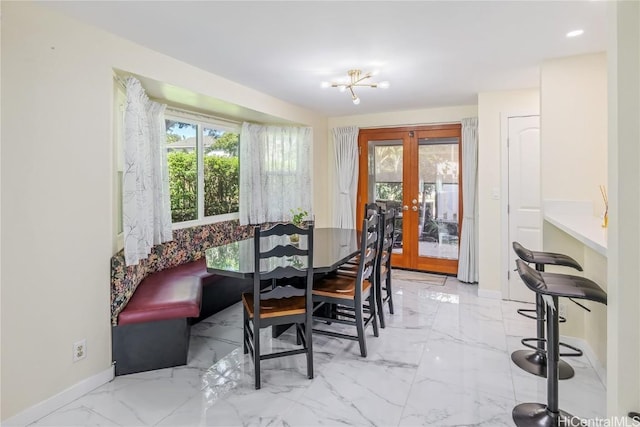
[524, 205]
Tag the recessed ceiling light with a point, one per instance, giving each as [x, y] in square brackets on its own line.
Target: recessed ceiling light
[575, 33]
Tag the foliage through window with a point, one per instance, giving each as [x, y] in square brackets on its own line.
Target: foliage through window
[203, 169]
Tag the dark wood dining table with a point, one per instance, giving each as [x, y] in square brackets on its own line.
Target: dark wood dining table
[332, 247]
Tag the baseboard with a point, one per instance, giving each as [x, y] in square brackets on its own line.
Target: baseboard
[484, 293]
[39, 410]
[583, 345]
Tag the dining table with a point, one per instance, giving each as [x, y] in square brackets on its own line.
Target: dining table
[332, 247]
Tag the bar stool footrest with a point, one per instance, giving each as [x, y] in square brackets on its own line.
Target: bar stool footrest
[576, 351]
[525, 342]
[524, 312]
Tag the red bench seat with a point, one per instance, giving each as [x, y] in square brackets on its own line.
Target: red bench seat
[168, 294]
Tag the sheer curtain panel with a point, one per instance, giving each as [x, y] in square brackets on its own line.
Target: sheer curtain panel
[275, 172]
[146, 208]
[345, 147]
[468, 261]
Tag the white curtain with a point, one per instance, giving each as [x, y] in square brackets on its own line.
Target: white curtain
[275, 172]
[146, 206]
[345, 147]
[468, 261]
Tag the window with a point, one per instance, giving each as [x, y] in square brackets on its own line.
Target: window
[203, 168]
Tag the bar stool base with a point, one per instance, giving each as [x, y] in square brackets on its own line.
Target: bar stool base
[537, 415]
[535, 363]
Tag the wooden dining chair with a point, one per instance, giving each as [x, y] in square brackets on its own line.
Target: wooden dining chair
[351, 266]
[343, 298]
[382, 279]
[280, 302]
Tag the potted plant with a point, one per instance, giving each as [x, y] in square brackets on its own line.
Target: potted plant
[297, 218]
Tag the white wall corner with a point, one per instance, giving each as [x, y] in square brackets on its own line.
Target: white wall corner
[44, 408]
[588, 352]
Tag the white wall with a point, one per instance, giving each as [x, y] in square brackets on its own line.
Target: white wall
[623, 316]
[491, 107]
[573, 95]
[56, 190]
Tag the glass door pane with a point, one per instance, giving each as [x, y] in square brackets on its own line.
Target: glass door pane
[438, 191]
[385, 168]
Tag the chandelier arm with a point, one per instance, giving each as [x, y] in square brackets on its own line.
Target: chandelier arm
[357, 82]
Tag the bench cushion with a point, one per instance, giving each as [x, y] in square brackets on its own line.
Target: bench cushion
[167, 294]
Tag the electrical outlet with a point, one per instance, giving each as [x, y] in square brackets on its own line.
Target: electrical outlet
[562, 310]
[79, 350]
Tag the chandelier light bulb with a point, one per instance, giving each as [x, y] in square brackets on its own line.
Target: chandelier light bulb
[575, 33]
[356, 100]
[325, 85]
[384, 85]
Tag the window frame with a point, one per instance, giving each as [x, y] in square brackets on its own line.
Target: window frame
[201, 122]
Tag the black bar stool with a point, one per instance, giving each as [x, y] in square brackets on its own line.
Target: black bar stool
[535, 361]
[551, 286]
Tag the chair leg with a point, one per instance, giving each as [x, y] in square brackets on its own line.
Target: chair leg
[309, 340]
[360, 328]
[299, 333]
[374, 317]
[256, 353]
[380, 303]
[389, 291]
[245, 334]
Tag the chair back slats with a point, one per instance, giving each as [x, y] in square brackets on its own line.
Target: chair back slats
[280, 292]
[368, 248]
[276, 257]
[282, 229]
[386, 246]
[283, 272]
[280, 251]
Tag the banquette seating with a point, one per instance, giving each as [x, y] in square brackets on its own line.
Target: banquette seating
[154, 303]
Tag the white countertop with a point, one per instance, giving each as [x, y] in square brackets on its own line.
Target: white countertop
[581, 225]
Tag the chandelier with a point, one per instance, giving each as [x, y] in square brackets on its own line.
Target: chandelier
[356, 79]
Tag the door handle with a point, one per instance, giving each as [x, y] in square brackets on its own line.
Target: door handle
[414, 201]
[414, 208]
[405, 208]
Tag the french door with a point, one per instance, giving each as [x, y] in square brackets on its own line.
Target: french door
[416, 171]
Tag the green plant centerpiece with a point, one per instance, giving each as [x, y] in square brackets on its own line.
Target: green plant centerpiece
[297, 218]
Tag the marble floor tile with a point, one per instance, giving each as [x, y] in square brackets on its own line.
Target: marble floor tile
[443, 360]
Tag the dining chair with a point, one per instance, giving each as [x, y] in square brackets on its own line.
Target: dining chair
[382, 280]
[351, 266]
[347, 298]
[275, 301]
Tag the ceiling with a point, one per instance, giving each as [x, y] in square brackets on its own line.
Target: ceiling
[434, 53]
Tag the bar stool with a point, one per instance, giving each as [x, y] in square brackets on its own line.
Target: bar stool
[551, 286]
[535, 361]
